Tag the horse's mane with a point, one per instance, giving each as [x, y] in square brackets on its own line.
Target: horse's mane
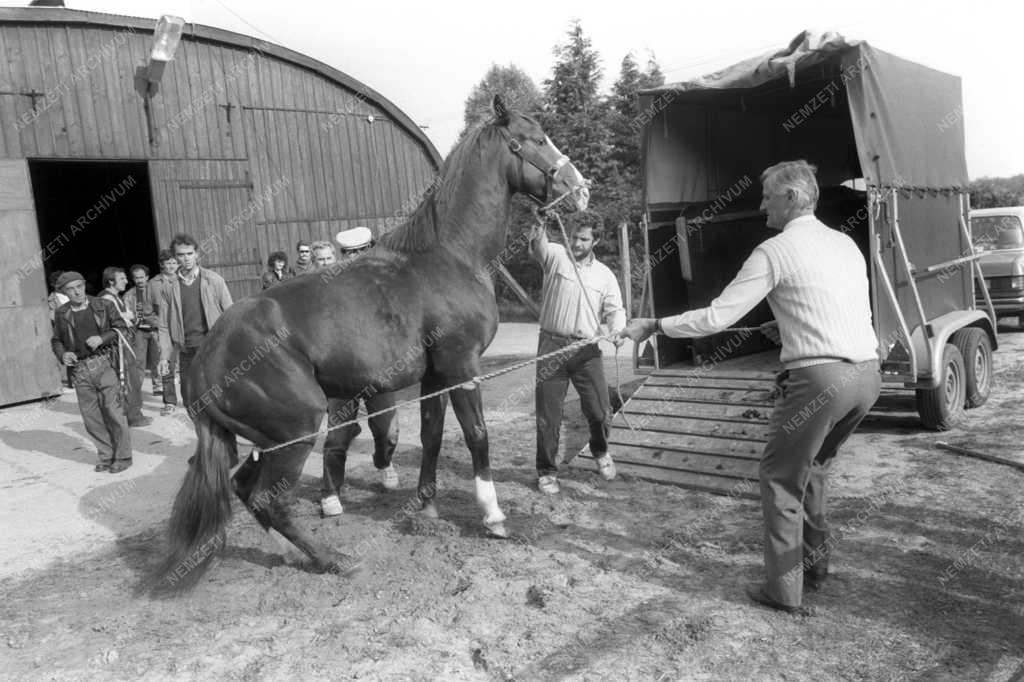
[422, 230]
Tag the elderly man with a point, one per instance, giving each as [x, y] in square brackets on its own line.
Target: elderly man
[815, 279]
[569, 313]
[84, 338]
[189, 305]
[323, 255]
[384, 427]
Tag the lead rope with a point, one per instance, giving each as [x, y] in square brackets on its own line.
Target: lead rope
[466, 385]
[593, 311]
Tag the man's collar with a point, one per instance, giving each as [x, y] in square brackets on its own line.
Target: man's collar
[189, 280]
[800, 220]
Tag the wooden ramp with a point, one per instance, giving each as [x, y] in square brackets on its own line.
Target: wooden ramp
[701, 429]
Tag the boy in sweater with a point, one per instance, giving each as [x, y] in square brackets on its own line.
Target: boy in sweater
[815, 280]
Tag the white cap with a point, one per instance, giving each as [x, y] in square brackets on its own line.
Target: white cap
[356, 238]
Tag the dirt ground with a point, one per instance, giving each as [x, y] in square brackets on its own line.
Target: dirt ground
[622, 580]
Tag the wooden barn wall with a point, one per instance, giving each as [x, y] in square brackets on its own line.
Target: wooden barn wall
[313, 161]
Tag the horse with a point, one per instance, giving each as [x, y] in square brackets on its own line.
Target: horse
[419, 307]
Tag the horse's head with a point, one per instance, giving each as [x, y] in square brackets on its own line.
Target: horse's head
[542, 172]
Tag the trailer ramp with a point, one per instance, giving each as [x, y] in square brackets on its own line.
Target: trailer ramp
[699, 429]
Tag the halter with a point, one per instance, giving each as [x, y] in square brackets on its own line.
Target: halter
[548, 169]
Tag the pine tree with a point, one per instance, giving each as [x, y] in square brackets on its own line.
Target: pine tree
[514, 85]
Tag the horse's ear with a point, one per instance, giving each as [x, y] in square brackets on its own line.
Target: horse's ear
[500, 111]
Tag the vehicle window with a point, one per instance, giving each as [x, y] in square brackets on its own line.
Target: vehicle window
[993, 232]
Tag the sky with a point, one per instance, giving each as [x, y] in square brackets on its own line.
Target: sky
[426, 56]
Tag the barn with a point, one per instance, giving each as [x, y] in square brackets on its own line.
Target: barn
[107, 151]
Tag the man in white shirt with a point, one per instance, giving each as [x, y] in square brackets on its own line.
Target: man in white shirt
[815, 280]
[567, 315]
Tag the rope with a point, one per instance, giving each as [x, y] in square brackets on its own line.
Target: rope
[466, 385]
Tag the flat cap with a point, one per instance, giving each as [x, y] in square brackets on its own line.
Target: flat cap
[356, 238]
[67, 278]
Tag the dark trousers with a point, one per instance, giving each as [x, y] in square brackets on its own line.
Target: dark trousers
[817, 410]
[147, 351]
[586, 372]
[185, 357]
[383, 427]
[99, 401]
[170, 394]
[134, 371]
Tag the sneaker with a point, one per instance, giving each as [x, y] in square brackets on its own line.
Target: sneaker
[167, 410]
[389, 477]
[331, 506]
[605, 466]
[141, 421]
[102, 466]
[548, 485]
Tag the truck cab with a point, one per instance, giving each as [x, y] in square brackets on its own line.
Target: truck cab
[998, 236]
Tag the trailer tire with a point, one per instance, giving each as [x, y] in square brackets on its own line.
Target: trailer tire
[942, 406]
[976, 350]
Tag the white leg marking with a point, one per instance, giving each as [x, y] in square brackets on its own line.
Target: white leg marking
[487, 498]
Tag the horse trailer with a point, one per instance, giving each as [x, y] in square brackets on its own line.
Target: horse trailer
[887, 138]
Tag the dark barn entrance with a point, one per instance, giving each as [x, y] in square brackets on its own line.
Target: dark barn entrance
[93, 214]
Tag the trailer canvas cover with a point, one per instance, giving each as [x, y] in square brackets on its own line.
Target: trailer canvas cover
[907, 119]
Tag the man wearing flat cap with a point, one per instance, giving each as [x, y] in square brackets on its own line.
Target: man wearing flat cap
[85, 332]
[384, 427]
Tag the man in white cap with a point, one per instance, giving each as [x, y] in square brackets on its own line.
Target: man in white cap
[84, 334]
[383, 427]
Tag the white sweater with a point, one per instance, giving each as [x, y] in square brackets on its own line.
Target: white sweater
[819, 295]
[815, 280]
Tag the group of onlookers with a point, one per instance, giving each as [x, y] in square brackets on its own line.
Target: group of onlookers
[312, 256]
[108, 343]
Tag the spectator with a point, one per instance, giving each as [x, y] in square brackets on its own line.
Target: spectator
[167, 275]
[303, 258]
[139, 299]
[323, 255]
[84, 337]
[114, 282]
[189, 306]
[277, 270]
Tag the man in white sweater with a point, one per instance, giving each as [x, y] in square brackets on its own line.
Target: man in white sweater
[815, 280]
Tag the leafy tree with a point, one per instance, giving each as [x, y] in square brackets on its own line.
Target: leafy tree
[997, 192]
[515, 87]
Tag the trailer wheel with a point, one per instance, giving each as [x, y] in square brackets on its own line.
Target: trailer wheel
[941, 406]
[976, 349]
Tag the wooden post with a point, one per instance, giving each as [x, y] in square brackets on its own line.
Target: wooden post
[626, 267]
[518, 290]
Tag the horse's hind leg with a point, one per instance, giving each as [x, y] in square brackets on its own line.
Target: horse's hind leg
[272, 499]
[469, 410]
[431, 432]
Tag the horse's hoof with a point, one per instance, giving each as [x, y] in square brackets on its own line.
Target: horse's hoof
[429, 509]
[497, 530]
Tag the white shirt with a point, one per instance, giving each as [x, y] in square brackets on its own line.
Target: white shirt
[563, 310]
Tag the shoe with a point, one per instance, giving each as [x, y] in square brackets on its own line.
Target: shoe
[141, 421]
[814, 579]
[331, 506]
[102, 466]
[120, 465]
[605, 466]
[756, 592]
[167, 410]
[389, 477]
[548, 485]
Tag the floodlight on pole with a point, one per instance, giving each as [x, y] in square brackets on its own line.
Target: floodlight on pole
[166, 37]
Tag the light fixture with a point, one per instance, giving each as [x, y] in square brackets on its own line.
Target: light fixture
[166, 37]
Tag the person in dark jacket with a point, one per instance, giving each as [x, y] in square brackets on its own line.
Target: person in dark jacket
[277, 270]
[85, 334]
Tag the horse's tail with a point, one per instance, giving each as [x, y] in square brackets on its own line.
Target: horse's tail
[201, 510]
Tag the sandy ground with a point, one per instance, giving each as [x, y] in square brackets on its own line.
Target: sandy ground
[610, 580]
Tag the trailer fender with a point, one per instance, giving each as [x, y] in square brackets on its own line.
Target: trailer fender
[942, 328]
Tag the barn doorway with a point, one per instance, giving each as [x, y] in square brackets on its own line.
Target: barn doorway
[93, 214]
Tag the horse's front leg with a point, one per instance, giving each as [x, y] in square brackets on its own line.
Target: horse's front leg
[431, 432]
[470, 412]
